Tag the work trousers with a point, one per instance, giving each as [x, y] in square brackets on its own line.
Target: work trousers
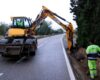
[92, 68]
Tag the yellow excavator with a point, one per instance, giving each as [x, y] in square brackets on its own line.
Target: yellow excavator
[20, 40]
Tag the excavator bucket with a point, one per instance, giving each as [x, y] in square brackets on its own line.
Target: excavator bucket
[69, 36]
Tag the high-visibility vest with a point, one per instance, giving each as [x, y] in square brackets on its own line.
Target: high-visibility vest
[92, 51]
[19, 23]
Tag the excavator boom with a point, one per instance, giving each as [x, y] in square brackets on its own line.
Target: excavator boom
[45, 12]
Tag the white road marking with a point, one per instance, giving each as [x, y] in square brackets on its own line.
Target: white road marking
[21, 59]
[71, 73]
[1, 74]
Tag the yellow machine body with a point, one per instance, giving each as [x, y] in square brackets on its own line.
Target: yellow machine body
[16, 32]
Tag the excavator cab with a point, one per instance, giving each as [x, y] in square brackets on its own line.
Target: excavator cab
[19, 26]
[21, 22]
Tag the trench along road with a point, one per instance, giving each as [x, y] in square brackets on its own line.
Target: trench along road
[48, 63]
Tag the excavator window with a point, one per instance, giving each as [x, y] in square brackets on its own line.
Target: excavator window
[20, 22]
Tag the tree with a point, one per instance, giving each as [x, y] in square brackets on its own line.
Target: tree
[87, 18]
[44, 28]
[3, 28]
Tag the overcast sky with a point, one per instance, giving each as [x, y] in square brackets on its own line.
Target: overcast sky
[31, 8]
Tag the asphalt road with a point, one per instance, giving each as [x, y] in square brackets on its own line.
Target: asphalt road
[48, 64]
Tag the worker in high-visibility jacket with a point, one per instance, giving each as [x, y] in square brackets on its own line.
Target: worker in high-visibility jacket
[93, 51]
[20, 23]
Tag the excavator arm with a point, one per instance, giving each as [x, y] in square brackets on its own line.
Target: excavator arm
[48, 13]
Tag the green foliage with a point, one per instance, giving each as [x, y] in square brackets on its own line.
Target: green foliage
[3, 28]
[87, 18]
[58, 31]
[45, 29]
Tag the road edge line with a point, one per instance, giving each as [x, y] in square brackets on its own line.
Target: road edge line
[71, 73]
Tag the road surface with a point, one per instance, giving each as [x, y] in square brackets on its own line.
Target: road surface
[48, 64]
